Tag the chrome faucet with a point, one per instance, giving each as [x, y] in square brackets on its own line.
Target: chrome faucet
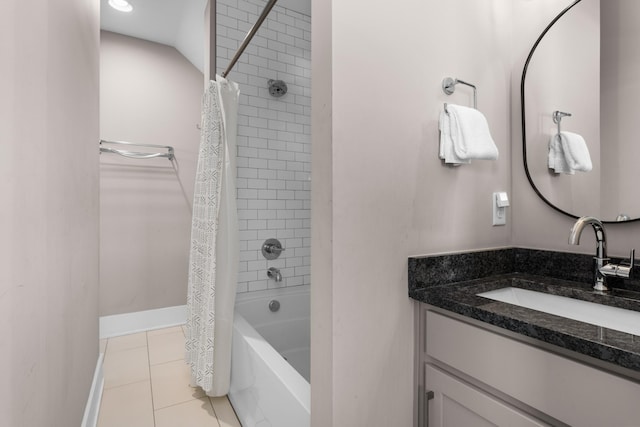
[274, 273]
[601, 246]
[603, 268]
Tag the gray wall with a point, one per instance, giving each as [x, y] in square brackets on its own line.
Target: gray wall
[49, 210]
[379, 191]
[149, 94]
[620, 92]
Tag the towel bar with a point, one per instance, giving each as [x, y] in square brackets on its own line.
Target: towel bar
[136, 154]
[449, 87]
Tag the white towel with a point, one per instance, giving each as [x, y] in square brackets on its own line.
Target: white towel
[576, 152]
[569, 153]
[465, 136]
[556, 160]
[446, 143]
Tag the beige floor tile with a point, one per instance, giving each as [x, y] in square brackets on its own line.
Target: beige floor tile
[224, 411]
[127, 406]
[127, 342]
[125, 367]
[170, 384]
[166, 347]
[195, 413]
[170, 330]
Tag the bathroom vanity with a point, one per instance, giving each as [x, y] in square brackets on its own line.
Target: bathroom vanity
[485, 362]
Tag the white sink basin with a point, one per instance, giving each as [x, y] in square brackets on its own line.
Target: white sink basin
[596, 314]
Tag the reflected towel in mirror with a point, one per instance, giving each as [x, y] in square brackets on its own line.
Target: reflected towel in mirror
[568, 153]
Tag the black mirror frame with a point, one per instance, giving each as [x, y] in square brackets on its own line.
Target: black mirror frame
[523, 120]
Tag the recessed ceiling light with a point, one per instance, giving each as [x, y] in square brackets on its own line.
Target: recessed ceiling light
[121, 5]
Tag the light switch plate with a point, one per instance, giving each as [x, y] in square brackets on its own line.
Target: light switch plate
[500, 201]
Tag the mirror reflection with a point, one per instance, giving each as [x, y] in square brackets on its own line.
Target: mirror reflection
[586, 65]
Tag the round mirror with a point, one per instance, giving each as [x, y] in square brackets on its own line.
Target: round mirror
[579, 92]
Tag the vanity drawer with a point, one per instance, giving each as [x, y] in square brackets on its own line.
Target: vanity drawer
[564, 389]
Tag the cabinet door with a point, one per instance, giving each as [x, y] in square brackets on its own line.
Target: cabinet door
[456, 404]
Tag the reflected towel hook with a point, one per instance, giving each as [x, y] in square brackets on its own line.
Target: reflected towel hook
[557, 118]
[449, 87]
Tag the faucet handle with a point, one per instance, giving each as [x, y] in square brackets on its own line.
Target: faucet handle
[624, 270]
[272, 248]
[620, 270]
[627, 270]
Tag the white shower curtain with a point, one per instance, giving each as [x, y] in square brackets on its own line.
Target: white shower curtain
[213, 259]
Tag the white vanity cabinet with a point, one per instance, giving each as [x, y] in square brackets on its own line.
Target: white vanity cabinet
[455, 403]
[482, 377]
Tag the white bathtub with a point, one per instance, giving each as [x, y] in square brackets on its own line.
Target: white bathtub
[266, 390]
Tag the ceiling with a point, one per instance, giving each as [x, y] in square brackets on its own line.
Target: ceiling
[177, 23]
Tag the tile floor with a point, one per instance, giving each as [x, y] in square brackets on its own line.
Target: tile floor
[146, 384]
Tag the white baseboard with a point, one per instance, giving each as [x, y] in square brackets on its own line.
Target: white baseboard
[140, 321]
[91, 410]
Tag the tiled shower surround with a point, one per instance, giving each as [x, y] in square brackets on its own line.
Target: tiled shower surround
[274, 139]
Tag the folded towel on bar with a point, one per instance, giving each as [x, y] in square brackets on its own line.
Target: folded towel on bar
[446, 143]
[568, 152]
[464, 135]
[556, 160]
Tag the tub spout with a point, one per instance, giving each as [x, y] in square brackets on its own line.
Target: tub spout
[274, 273]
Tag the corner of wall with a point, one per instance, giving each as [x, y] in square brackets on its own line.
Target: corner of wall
[322, 218]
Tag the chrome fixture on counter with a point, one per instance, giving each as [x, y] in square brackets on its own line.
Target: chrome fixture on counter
[623, 217]
[603, 268]
[272, 248]
[274, 273]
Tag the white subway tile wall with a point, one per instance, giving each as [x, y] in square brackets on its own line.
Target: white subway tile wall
[274, 139]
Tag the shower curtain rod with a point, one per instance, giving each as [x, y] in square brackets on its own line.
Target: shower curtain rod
[249, 36]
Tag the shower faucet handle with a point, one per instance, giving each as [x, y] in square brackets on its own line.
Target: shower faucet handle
[272, 248]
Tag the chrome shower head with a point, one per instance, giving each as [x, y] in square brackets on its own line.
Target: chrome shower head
[277, 88]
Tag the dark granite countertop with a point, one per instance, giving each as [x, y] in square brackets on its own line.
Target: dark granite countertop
[601, 343]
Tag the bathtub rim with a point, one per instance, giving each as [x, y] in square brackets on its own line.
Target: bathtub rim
[272, 293]
[293, 381]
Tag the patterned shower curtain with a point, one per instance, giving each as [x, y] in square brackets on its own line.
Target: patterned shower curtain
[213, 259]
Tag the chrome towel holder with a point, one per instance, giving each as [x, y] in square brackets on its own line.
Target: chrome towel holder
[557, 118]
[169, 154]
[449, 87]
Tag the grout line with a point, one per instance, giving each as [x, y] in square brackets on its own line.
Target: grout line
[124, 385]
[153, 406]
[213, 409]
